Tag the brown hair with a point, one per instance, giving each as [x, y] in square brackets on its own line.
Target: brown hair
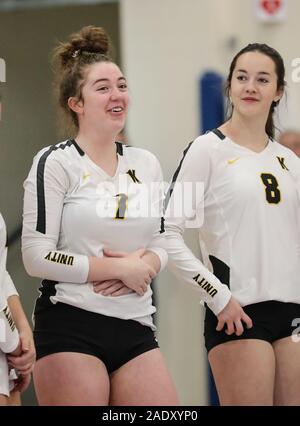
[280, 72]
[88, 46]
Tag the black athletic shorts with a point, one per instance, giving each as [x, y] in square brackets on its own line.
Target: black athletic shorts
[272, 321]
[65, 328]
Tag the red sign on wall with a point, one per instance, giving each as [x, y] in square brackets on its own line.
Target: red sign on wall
[271, 10]
[271, 6]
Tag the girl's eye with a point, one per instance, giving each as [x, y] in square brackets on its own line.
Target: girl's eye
[102, 89]
[123, 86]
[263, 80]
[241, 77]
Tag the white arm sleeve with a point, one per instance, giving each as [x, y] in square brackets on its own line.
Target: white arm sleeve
[9, 337]
[9, 287]
[158, 242]
[191, 178]
[45, 189]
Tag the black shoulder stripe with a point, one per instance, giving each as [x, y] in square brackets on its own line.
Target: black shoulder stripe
[218, 133]
[119, 148]
[162, 225]
[81, 152]
[40, 185]
[171, 187]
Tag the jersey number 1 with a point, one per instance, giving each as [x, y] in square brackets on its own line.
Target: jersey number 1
[122, 206]
[273, 195]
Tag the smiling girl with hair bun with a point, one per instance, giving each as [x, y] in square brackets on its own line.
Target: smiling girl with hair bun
[96, 257]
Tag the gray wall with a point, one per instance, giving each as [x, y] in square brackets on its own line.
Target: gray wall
[29, 117]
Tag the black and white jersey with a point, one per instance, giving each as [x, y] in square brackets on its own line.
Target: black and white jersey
[7, 378]
[9, 337]
[73, 210]
[7, 287]
[249, 232]
[4, 375]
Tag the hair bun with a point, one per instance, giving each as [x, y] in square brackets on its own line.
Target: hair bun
[90, 39]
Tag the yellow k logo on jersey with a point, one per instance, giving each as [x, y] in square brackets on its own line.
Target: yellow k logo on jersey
[281, 162]
[131, 173]
[233, 160]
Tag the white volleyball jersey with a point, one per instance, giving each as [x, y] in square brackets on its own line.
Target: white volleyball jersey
[73, 210]
[7, 378]
[250, 230]
[7, 287]
[9, 337]
[4, 375]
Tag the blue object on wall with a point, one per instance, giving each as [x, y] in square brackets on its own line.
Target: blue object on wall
[211, 103]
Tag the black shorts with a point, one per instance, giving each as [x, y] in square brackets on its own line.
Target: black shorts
[272, 321]
[65, 328]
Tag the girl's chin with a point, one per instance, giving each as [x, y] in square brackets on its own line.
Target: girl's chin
[249, 112]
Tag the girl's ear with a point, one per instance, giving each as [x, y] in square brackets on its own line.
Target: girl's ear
[75, 105]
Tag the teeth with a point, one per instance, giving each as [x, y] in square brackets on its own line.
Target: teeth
[117, 109]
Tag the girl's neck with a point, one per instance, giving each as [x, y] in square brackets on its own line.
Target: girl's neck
[100, 148]
[248, 133]
[96, 142]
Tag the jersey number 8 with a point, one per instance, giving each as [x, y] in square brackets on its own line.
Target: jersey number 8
[273, 195]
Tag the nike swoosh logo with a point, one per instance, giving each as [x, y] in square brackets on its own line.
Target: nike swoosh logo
[86, 175]
[233, 160]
